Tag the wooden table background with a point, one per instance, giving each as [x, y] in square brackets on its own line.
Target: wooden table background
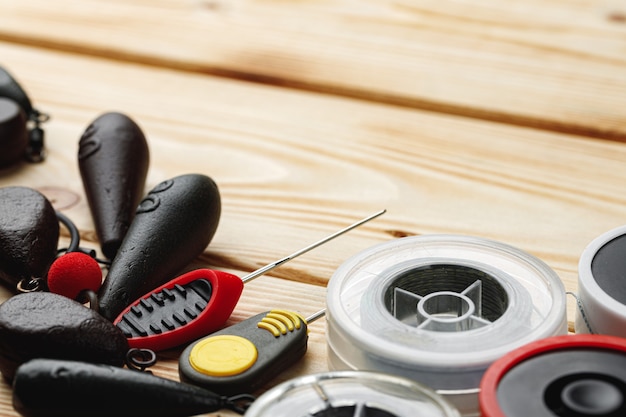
[499, 119]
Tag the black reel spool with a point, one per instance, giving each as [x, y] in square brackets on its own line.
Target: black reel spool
[563, 376]
[21, 135]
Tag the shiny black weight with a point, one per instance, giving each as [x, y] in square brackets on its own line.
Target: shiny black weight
[47, 325]
[113, 159]
[173, 224]
[51, 388]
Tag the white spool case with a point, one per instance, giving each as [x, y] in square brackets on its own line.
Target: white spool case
[601, 313]
[439, 310]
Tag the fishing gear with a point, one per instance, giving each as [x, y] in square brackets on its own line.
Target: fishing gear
[351, 394]
[245, 356]
[29, 235]
[48, 325]
[21, 135]
[601, 294]
[113, 159]
[173, 224]
[195, 304]
[63, 388]
[440, 309]
[561, 376]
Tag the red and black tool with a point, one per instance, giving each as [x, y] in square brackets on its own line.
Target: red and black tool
[184, 309]
[195, 304]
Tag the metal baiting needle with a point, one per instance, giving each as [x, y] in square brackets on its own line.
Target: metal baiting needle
[315, 316]
[288, 258]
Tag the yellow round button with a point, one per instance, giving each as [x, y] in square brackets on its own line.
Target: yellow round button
[224, 355]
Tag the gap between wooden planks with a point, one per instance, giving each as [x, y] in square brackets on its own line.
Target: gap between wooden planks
[550, 64]
[293, 166]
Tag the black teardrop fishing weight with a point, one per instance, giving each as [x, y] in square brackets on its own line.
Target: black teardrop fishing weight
[173, 224]
[113, 158]
[51, 388]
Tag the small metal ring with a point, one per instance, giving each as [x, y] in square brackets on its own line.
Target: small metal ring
[71, 227]
[89, 296]
[30, 285]
[39, 117]
[239, 403]
[583, 315]
[140, 359]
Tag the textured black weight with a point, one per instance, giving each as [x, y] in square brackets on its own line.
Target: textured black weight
[48, 325]
[113, 159]
[50, 388]
[173, 225]
[29, 235]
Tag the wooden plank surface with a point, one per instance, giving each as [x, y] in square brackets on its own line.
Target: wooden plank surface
[554, 64]
[293, 166]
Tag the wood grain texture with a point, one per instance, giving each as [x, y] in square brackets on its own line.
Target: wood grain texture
[553, 64]
[293, 166]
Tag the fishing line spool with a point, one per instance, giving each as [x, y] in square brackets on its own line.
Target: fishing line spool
[350, 394]
[439, 309]
[601, 289]
[561, 376]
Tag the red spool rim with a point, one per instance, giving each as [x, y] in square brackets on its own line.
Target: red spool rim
[488, 400]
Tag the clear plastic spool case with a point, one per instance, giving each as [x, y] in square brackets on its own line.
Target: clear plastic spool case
[350, 394]
[439, 309]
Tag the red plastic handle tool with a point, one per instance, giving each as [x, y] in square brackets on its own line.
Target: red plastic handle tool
[184, 309]
[165, 317]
